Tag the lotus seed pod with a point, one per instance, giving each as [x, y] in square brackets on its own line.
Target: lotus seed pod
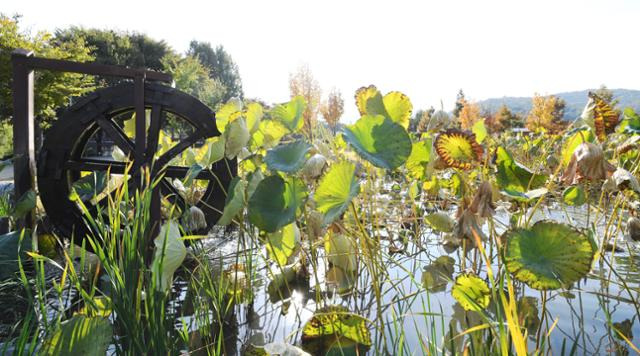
[314, 166]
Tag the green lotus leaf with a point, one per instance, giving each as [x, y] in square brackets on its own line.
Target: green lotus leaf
[84, 188]
[253, 113]
[283, 243]
[379, 140]
[513, 176]
[227, 113]
[10, 245]
[236, 137]
[573, 140]
[275, 201]
[169, 253]
[398, 107]
[268, 135]
[574, 196]
[254, 178]
[234, 202]
[80, 335]
[471, 292]
[418, 162]
[369, 101]
[213, 152]
[333, 325]
[458, 148]
[436, 275]
[440, 222]
[549, 255]
[480, 130]
[288, 157]
[290, 114]
[525, 197]
[336, 190]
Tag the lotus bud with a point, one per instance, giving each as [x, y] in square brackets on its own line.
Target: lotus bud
[587, 163]
[314, 166]
[633, 228]
[195, 220]
[482, 203]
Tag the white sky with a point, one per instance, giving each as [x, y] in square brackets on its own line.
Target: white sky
[426, 49]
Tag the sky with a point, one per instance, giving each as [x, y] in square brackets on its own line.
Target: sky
[425, 49]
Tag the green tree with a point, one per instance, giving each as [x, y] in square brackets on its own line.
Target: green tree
[507, 119]
[129, 49]
[52, 89]
[546, 114]
[193, 78]
[221, 67]
[461, 101]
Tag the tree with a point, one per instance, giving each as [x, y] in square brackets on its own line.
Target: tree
[134, 49]
[193, 78]
[460, 102]
[52, 89]
[303, 83]
[505, 118]
[469, 114]
[546, 114]
[221, 67]
[332, 109]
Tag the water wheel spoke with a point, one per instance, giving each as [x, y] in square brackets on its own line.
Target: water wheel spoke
[93, 165]
[181, 172]
[179, 148]
[119, 137]
[157, 119]
[172, 194]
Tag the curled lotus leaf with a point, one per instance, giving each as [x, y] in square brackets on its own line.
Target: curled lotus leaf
[548, 255]
[458, 149]
[605, 118]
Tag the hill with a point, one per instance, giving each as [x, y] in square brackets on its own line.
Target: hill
[575, 100]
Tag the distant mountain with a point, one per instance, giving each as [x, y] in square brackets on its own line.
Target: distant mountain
[576, 100]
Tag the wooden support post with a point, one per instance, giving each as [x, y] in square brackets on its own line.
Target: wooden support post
[24, 164]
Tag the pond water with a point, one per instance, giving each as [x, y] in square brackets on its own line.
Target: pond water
[421, 316]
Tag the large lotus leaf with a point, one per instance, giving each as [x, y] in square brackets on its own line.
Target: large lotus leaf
[341, 251]
[268, 135]
[236, 137]
[283, 243]
[630, 122]
[379, 141]
[170, 251]
[228, 113]
[336, 189]
[369, 101]
[253, 113]
[211, 152]
[275, 201]
[10, 244]
[290, 114]
[418, 162]
[436, 275]
[471, 292]
[398, 107]
[289, 157]
[234, 202]
[86, 187]
[549, 255]
[80, 335]
[254, 178]
[335, 323]
[458, 148]
[513, 176]
[573, 140]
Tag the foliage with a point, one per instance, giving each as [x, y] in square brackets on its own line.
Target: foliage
[546, 114]
[469, 115]
[80, 335]
[194, 78]
[471, 292]
[333, 108]
[52, 89]
[336, 190]
[221, 67]
[302, 83]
